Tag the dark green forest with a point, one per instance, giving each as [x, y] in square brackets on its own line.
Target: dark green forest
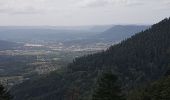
[158, 90]
[141, 64]
[107, 88]
[4, 94]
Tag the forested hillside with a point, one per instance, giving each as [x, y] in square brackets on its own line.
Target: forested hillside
[136, 61]
[4, 95]
[158, 90]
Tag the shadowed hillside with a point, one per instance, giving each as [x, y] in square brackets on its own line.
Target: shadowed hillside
[142, 58]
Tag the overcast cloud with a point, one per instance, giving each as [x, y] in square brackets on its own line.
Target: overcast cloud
[82, 12]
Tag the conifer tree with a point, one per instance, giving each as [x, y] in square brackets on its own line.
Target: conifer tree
[4, 95]
[107, 88]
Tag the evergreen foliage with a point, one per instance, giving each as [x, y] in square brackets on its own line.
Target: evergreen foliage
[158, 90]
[107, 88]
[4, 95]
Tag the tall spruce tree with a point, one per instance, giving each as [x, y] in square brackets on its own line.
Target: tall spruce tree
[4, 95]
[107, 88]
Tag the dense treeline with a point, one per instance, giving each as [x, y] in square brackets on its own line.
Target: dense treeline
[4, 94]
[107, 88]
[15, 65]
[138, 60]
[158, 90]
[144, 56]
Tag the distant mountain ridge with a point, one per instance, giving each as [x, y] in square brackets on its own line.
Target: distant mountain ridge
[52, 33]
[121, 32]
[49, 33]
[112, 35]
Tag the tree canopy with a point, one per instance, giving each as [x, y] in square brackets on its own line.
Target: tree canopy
[4, 94]
[107, 88]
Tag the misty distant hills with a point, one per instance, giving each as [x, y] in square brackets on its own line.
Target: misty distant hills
[121, 32]
[95, 28]
[39, 34]
[112, 35]
[49, 33]
[84, 33]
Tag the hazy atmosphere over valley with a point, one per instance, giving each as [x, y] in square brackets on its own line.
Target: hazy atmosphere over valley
[84, 49]
[82, 12]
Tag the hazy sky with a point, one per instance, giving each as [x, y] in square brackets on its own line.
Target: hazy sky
[82, 12]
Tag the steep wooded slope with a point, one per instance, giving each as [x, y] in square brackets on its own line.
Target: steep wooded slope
[139, 59]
